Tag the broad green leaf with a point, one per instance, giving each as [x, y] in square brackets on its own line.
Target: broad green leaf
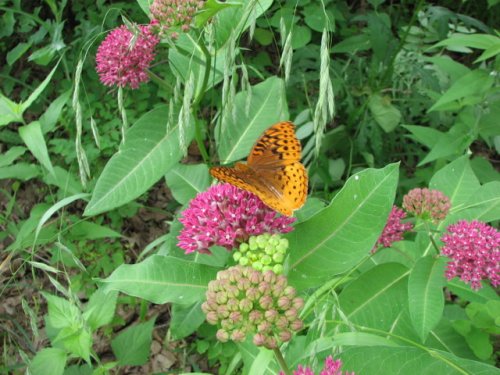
[483, 295]
[450, 67]
[48, 361]
[425, 294]
[268, 105]
[384, 113]
[475, 83]
[360, 339]
[62, 313]
[64, 180]
[15, 53]
[424, 135]
[150, 150]
[341, 235]
[76, 339]
[100, 309]
[257, 359]
[445, 337]
[131, 346]
[483, 205]
[410, 361]
[480, 41]
[12, 154]
[210, 9]
[185, 319]
[353, 44]
[489, 52]
[36, 93]
[162, 279]
[186, 181]
[377, 297]
[33, 138]
[49, 118]
[9, 111]
[457, 181]
[87, 230]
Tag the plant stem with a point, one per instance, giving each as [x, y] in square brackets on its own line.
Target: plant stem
[431, 238]
[281, 361]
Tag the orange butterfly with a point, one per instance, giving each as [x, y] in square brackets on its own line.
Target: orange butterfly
[273, 170]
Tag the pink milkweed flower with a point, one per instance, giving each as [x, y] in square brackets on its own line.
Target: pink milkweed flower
[331, 367]
[226, 216]
[394, 229]
[175, 15]
[123, 58]
[474, 250]
[427, 204]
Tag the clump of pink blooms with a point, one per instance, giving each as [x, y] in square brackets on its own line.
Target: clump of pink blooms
[394, 228]
[331, 367]
[173, 15]
[123, 58]
[474, 250]
[226, 216]
[427, 204]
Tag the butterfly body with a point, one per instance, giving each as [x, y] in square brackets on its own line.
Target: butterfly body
[273, 170]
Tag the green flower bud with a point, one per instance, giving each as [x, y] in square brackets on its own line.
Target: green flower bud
[243, 284]
[285, 335]
[278, 269]
[278, 258]
[291, 314]
[222, 311]
[298, 303]
[284, 302]
[264, 287]
[270, 249]
[253, 294]
[267, 268]
[235, 317]
[255, 316]
[281, 322]
[246, 305]
[254, 277]
[264, 327]
[232, 304]
[227, 324]
[271, 343]
[252, 243]
[290, 292]
[222, 335]
[221, 298]
[244, 247]
[232, 291]
[266, 302]
[296, 325]
[271, 315]
[257, 266]
[244, 261]
[237, 256]
[261, 241]
[269, 277]
[266, 260]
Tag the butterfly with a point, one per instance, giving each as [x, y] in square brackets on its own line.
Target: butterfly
[273, 170]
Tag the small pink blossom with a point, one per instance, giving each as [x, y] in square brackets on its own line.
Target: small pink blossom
[427, 204]
[123, 58]
[227, 216]
[394, 228]
[331, 367]
[474, 250]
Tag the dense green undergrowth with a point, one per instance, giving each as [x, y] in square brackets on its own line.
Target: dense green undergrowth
[100, 160]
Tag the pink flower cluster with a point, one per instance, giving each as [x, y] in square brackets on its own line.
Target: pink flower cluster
[474, 250]
[427, 204]
[123, 58]
[331, 367]
[175, 14]
[227, 216]
[394, 228]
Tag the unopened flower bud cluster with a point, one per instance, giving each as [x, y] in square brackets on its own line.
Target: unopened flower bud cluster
[245, 301]
[175, 15]
[265, 252]
[427, 204]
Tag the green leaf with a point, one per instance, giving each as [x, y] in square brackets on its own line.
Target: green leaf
[318, 18]
[384, 113]
[360, 339]
[267, 106]
[185, 319]
[49, 118]
[48, 361]
[410, 361]
[480, 41]
[86, 230]
[33, 138]
[445, 337]
[62, 313]
[210, 9]
[483, 205]
[100, 309]
[15, 53]
[457, 181]
[424, 135]
[150, 150]
[36, 93]
[475, 83]
[131, 346]
[425, 293]
[301, 36]
[186, 181]
[161, 279]
[257, 359]
[341, 235]
[483, 295]
[377, 297]
[12, 154]
[9, 111]
[353, 44]
[75, 339]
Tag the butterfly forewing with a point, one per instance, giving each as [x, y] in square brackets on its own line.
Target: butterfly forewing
[277, 146]
[273, 171]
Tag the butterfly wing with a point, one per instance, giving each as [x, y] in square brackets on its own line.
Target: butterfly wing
[278, 145]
